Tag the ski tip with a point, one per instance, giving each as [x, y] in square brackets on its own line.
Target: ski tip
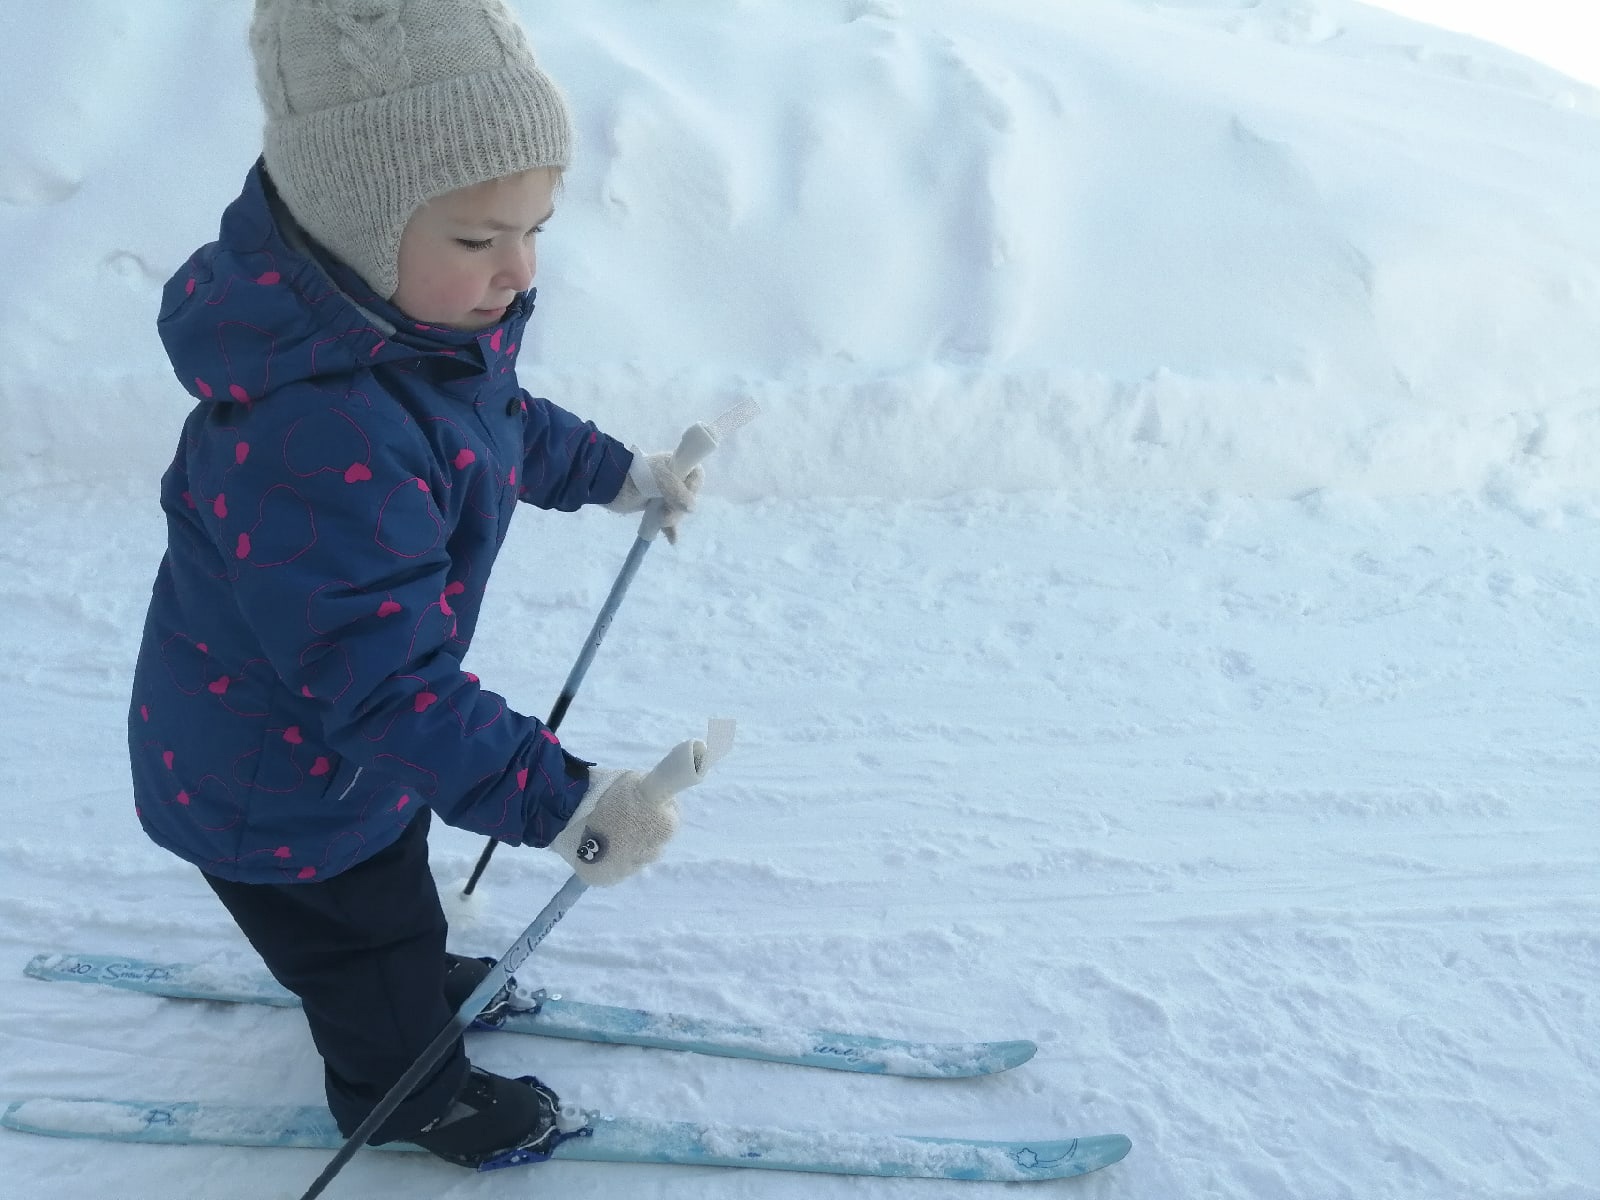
[938, 1060]
[40, 965]
[963, 1060]
[1094, 1153]
[1083, 1155]
[1018, 1052]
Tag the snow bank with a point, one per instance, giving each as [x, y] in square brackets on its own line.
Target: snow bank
[1260, 248]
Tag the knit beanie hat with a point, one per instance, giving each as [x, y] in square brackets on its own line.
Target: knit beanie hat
[374, 107]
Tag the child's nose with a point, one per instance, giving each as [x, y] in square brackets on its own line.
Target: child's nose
[516, 271]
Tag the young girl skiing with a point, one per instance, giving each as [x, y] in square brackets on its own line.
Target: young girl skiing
[337, 499]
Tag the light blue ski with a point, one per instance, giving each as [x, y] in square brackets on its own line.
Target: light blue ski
[603, 1139]
[607, 1023]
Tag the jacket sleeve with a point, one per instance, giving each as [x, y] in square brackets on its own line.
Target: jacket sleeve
[567, 462]
[344, 576]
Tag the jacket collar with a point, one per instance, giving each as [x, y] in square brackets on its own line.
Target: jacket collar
[264, 305]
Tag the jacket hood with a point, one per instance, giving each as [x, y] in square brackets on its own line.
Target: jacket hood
[262, 307]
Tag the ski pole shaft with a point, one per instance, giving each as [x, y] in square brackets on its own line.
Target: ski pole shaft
[630, 568]
[441, 1045]
[698, 441]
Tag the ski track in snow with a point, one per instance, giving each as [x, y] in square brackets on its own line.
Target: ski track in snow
[1271, 821]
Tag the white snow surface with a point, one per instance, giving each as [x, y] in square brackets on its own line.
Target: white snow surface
[1159, 599]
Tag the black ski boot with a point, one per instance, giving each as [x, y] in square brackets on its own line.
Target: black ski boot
[495, 1122]
[462, 976]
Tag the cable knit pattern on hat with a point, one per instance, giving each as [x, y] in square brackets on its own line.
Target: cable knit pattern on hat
[373, 42]
[374, 107]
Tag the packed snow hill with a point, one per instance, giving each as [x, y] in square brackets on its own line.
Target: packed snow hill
[1158, 599]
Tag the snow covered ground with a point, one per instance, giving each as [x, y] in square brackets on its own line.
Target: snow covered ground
[1159, 600]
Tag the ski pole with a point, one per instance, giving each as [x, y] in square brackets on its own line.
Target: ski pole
[685, 765]
[697, 442]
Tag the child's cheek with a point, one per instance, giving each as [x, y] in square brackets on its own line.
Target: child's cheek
[466, 286]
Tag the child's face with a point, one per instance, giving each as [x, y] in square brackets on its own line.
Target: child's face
[465, 255]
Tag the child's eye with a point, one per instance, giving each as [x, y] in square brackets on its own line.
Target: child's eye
[472, 245]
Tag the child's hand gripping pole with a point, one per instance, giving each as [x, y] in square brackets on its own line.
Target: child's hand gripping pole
[684, 766]
[627, 817]
[650, 474]
[697, 442]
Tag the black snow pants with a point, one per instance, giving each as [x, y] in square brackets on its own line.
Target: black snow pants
[364, 951]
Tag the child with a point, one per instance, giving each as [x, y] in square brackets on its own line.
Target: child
[336, 503]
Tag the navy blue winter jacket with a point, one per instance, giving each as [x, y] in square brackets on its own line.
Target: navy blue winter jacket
[336, 503]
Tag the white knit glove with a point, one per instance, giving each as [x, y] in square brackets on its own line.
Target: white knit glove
[676, 491]
[626, 817]
[618, 827]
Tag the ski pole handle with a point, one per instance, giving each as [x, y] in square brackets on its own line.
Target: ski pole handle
[698, 441]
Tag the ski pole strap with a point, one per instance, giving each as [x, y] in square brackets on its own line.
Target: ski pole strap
[719, 739]
[688, 763]
[737, 417]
